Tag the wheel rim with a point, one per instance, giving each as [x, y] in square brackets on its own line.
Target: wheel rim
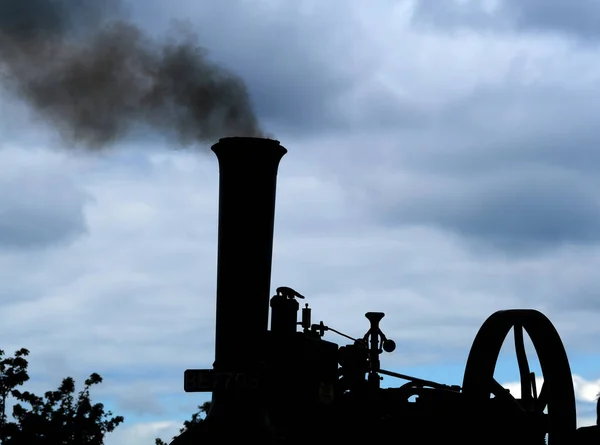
[557, 393]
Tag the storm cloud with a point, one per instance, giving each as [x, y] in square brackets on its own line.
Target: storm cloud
[437, 173]
[577, 20]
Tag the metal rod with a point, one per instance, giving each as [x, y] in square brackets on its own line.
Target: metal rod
[416, 380]
[339, 333]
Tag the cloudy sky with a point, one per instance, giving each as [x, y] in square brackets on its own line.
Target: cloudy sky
[442, 166]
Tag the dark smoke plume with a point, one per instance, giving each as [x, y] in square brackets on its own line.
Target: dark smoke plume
[94, 80]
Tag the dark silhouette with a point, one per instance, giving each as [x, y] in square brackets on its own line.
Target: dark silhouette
[291, 386]
[60, 417]
[248, 169]
[288, 292]
[556, 394]
[588, 435]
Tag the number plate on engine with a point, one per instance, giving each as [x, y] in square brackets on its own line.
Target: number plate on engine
[198, 380]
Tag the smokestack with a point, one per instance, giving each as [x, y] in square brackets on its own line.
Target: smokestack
[248, 176]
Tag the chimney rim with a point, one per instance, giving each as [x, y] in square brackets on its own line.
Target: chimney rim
[247, 139]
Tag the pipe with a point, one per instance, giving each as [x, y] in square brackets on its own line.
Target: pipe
[247, 186]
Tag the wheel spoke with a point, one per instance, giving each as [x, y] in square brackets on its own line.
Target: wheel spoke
[533, 385]
[542, 401]
[525, 373]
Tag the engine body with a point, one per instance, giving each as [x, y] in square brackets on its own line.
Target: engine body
[288, 384]
[321, 392]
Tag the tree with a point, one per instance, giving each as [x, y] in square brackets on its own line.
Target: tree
[59, 418]
[13, 373]
[189, 424]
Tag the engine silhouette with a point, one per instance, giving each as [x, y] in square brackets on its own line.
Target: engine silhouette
[288, 384]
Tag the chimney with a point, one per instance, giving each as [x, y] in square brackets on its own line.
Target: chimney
[247, 185]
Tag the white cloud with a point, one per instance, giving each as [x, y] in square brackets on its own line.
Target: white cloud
[585, 390]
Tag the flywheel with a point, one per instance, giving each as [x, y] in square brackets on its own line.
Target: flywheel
[552, 411]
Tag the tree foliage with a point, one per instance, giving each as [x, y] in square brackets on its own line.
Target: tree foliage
[196, 419]
[13, 373]
[61, 417]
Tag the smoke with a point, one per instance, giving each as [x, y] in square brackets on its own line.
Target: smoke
[94, 79]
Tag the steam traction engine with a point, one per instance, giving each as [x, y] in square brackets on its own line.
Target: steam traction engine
[290, 385]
